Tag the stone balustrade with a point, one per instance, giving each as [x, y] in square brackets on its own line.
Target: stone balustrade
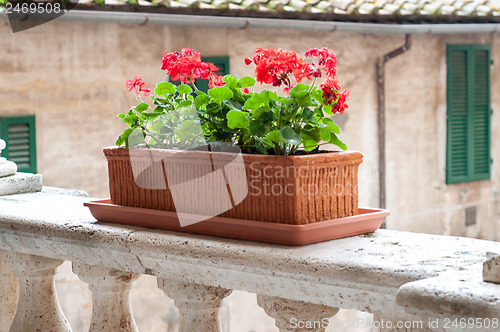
[400, 277]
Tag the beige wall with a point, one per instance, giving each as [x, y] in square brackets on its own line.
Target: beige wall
[71, 76]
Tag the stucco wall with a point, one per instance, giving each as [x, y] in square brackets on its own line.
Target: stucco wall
[71, 76]
[418, 197]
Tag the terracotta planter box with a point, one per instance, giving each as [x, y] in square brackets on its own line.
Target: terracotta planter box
[294, 190]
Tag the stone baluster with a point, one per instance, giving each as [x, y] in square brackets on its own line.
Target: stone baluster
[9, 295]
[38, 308]
[111, 311]
[298, 316]
[198, 304]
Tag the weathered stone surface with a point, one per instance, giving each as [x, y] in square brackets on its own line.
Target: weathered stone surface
[296, 315]
[7, 167]
[453, 296]
[362, 272]
[20, 183]
[491, 269]
[198, 304]
[9, 294]
[38, 308]
[111, 311]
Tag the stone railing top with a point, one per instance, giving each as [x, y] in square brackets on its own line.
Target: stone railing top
[54, 223]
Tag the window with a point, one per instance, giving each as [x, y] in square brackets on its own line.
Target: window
[468, 113]
[221, 62]
[19, 134]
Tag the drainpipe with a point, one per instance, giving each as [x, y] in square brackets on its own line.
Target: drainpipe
[381, 113]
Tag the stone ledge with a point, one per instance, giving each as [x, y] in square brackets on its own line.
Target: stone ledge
[20, 183]
[362, 272]
[451, 295]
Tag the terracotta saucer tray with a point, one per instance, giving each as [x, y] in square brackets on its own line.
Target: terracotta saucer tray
[366, 221]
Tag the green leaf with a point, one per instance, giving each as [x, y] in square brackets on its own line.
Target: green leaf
[189, 130]
[313, 133]
[130, 118]
[220, 94]
[290, 136]
[270, 95]
[299, 92]
[237, 119]
[155, 124]
[261, 147]
[336, 141]
[123, 138]
[308, 115]
[257, 127]
[275, 136]
[184, 88]
[135, 137]
[253, 103]
[317, 94]
[233, 104]
[141, 107]
[201, 101]
[247, 81]
[232, 81]
[309, 144]
[328, 126]
[327, 109]
[185, 103]
[165, 89]
[260, 99]
[265, 114]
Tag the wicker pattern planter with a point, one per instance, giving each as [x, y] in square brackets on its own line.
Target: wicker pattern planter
[284, 189]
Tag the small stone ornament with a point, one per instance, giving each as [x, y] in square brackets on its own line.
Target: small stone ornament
[6, 167]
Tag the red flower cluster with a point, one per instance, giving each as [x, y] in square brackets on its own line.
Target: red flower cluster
[187, 66]
[215, 81]
[275, 66]
[327, 62]
[331, 89]
[138, 84]
[332, 96]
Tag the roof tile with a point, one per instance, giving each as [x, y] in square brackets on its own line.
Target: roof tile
[351, 10]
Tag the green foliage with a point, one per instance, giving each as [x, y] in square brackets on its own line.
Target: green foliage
[165, 89]
[220, 94]
[259, 122]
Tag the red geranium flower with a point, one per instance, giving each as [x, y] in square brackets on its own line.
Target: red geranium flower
[332, 96]
[327, 62]
[275, 66]
[186, 66]
[341, 105]
[215, 81]
[138, 84]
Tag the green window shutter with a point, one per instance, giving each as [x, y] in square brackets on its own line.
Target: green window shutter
[481, 115]
[20, 135]
[457, 166]
[468, 113]
[221, 62]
